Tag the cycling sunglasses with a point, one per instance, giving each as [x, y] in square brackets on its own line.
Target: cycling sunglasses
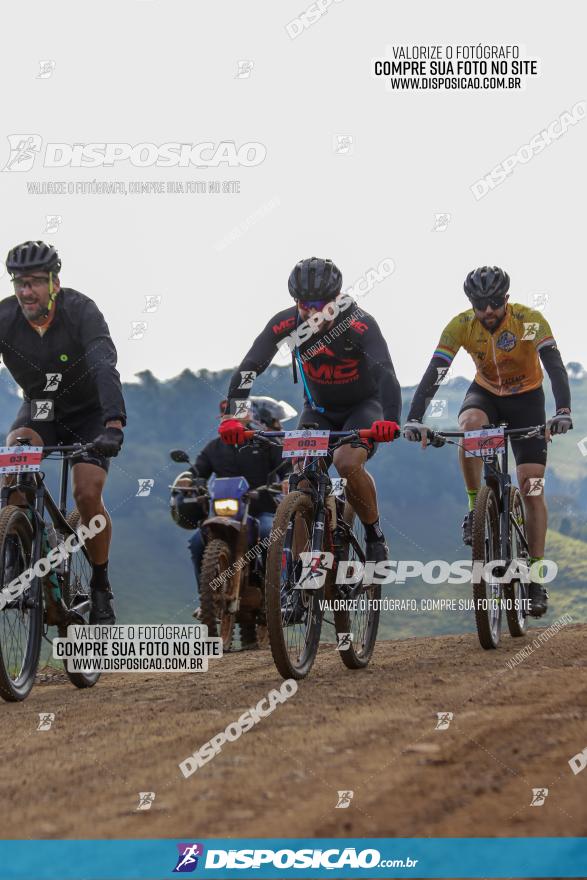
[496, 302]
[308, 304]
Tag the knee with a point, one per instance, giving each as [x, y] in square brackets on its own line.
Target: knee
[349, 461]
[88, 497]
[472, 420]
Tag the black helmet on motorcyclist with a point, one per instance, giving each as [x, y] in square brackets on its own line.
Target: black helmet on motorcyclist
[188, 501]
[314, 280]
[487, 285]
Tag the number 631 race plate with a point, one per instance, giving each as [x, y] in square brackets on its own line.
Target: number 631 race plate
[299, 443]
[18, 459]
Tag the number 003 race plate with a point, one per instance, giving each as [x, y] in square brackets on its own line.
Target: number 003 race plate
[298, 443]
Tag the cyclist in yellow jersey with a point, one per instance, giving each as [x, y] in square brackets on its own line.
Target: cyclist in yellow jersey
[508, 342]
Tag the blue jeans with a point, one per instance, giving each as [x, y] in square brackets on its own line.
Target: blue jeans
[197, 545]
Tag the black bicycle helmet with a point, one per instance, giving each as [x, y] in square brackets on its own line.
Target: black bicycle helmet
[315, 279]
[32, 255]
[486, 283]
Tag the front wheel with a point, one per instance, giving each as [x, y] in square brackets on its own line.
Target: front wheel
[294, 615]
[75, 585]
[516, 592]
[486, 590]
[21, 616]
[216, 600]
[357, 625]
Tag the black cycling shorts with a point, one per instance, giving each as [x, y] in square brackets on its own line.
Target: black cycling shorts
[79, 428]
[362, 415]
[519, 411]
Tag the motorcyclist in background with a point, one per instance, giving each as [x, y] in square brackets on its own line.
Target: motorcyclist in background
[259, 466]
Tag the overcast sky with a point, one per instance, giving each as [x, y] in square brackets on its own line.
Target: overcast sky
[154, 72]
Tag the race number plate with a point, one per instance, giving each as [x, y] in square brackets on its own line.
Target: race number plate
[18, 459]
[483, 443]
[296, 444]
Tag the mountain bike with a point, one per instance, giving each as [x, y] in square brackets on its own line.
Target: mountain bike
[499, 532]
[25, 539]
[313, 533]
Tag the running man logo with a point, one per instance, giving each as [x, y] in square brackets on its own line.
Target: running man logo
[137, 329]
[438, 408]
[242, 409]
[146, 799]
[52, 381]
[539, 300]
[187, 860]
[530, 331]
[46, 69]
[23, 150]
[314, 570]
[539, 795]
[343, 144]
[578, 762]
[344, 800]
[53, 222]
[46, 719]
[244, 69]
[344, 641]
[42, 410]
[152, 303]
[444, 719]
[145, 486]
[247, 379]
[535, 486]
[444, 375]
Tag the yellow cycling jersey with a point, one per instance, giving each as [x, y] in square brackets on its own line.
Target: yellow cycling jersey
[506, 359]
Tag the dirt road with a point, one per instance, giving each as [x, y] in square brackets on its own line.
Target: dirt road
[370, 732]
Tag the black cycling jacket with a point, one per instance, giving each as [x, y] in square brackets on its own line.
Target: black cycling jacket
[342, 366]
[73, 363]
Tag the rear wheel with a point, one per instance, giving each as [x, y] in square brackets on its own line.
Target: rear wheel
[361, 624]
[21, 618]
[75, 586]
[294, 616]
[516, 592]
[486, 592]
[215, 598]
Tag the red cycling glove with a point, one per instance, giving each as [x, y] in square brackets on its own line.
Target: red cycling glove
[232, 432]
[384, 431]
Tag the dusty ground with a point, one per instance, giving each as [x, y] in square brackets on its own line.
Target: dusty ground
[372, 732]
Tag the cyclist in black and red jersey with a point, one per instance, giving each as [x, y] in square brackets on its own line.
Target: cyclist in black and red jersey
[56, 344]
[347, 373]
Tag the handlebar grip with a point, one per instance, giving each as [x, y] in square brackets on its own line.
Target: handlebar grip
[366, 434]
[249, 434]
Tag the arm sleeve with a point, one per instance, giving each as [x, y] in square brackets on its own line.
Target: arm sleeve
[553, 364]
[380, 365]
[444, 354]
[100, 354]
[260, 355]
[203, 464]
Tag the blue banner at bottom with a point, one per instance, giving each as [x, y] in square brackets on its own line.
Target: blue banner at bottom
[290, 857]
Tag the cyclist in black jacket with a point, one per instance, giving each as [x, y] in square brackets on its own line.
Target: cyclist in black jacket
[347, 373]
[56, 344]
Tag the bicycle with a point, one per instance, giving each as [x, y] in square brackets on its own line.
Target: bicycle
[25, 539]
[314, 524]
[499, 533]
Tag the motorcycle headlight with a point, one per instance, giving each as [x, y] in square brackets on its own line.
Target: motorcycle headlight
[226, 507]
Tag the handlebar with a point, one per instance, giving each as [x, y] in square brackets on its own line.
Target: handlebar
[521, 433]
[363, 433]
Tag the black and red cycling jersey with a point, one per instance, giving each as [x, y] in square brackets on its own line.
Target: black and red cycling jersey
[343, 364]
